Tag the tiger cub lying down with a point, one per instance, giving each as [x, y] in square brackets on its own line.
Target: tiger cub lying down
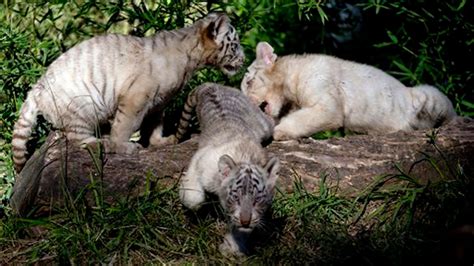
[230, 161]
[325, 93]
[121, 78]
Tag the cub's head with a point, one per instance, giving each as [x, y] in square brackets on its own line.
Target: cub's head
[247, 191]
[221, 43]
[259, 83]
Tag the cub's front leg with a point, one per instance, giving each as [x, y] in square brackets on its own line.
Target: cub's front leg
[307, 121]
[235, 243]
[157, 139]
[191, 192]
[131, 110]
[151, 129]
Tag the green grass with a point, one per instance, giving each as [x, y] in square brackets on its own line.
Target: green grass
[153, 227]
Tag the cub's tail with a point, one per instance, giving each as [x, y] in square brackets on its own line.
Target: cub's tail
[22, 131]
[187, 114]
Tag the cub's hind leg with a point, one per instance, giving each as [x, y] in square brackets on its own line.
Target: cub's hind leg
[307, 121]
[80, 130]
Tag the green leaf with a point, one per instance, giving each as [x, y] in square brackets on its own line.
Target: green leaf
[392, 37]
[468, 104]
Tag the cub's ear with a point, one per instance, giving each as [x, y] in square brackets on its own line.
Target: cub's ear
[218, 27]
[265, 53]
[272, 167]
[225, 165]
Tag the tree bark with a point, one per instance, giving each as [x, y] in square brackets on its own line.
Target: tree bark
[58, 172]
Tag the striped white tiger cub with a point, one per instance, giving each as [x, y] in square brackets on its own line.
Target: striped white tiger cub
[120, 78]
[325, 93]
[230, 161]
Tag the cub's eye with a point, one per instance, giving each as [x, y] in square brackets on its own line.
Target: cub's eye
[258, 199]
[249, 82]
[234, 197]
[262, 106]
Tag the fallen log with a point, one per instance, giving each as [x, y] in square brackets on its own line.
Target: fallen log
[58, 170]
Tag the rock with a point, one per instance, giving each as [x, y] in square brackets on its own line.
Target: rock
[58, 170]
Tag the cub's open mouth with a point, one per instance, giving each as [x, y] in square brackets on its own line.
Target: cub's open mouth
[231, 68]
[244, 229]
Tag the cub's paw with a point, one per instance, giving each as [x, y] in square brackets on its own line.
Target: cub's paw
[280, 135]
[231, 248]
[192, 198]
[163, 141]
[94, 144]
[124, 148]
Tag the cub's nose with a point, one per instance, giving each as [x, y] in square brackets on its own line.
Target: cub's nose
[245, 223]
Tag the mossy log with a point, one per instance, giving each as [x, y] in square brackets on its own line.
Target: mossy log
[58, 171]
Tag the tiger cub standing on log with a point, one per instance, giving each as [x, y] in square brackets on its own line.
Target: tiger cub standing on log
[230, 161]
[325, 93]
[121, 78]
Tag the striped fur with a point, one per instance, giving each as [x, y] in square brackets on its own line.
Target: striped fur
[186, 115]
[329, 93]
[121, 78]
[230, 161]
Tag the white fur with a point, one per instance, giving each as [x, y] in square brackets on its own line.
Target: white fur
[328, 93]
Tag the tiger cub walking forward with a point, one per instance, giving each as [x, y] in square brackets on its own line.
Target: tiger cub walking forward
[326, 92]
[230, 161]
[121, 78]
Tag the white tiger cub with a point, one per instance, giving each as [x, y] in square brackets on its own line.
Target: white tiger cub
[230, 161]
[120, 78]
[326, 93]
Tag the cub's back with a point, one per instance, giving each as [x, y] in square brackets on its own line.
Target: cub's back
[326, 66]
[224, 112]
[93, 72]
